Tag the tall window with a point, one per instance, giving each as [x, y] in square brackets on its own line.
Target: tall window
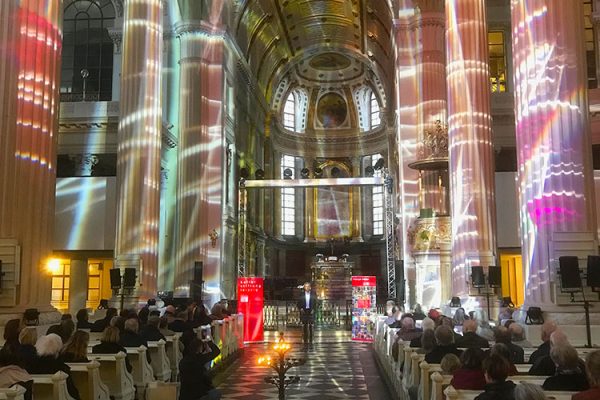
[289, 113]
[374, 112]
[94, 280]
[87, 55]
[294, 111]
[288, 199]
[497, 61]
[590, 44]
[61, 283]
[377, 200]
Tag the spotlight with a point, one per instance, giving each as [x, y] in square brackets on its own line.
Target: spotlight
[335, 172]
[455, 302]
[318, 172]
[379, 164]
[259, 174]
[287, 173]
[369, 171]
[534, 316]
[244, 173]
[304, 172]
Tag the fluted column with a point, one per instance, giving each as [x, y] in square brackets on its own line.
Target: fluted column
[556, 189]
[30, 50]
[200, 171]
[138, 154]
[471, 155]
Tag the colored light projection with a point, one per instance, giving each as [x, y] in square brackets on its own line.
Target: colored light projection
[200, 173]
[364, 308]
[471, 155]
[333, 206]
[30, 50]
[555, 179]
[138, 153]
[250, 295]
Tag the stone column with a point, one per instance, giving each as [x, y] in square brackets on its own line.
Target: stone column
[138, 153]
[471, 153]
[200, 171]
[555, 176]
[30, 50]
[78, 285]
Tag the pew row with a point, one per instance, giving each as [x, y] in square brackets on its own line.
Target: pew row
[114, 374]
[50, 386]
[13, 393]
[86, 377]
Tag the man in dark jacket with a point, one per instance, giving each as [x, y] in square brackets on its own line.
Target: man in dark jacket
[195, 382]
[150, 332]
[496, 369]
[307, 305]
[470, 339]
[444, 338]
[544, 349]
[517, 354]
[131, 338]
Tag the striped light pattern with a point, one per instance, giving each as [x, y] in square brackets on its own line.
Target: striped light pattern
[138, 157]
[555, 178]
[30, 50]
[471, 153]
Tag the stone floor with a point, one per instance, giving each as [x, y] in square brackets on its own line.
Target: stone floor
[335, 369]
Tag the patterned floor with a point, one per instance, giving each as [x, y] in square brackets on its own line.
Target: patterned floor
[335, 369]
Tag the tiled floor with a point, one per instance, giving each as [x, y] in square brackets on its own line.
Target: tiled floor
[335, 369]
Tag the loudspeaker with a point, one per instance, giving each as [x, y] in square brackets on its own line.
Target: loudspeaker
[477, 277]
[198, 267]
[115, 278]
[593, 271]
[129, 278]
[494, 276]
[570, 278]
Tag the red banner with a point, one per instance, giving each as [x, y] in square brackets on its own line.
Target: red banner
[364, 281]
[364, 290]
[250, 294]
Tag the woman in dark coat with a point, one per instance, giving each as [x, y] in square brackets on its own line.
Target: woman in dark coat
[470, 375]
[109, 344]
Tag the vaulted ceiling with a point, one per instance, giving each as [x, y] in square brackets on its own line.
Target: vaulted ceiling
[317, 43]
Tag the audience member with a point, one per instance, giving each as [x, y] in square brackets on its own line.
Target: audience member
[418, 313]
[450, 363]
[48, 362]
[195, 381]
[592, 366]
[12, 373]
[83, 319]
[407, 330]
[145, 311]
[470, 375]
[389, 321]
[544, 349]
[502, 350]
[496, 369]
[101, 324]
[517, 354]
[470, 338]
[426, 324]
[444, 345]
[485, 330]
[118, 322]
[109, 344]
[130, 337]
[447, 321]
[517, 335]
[179, 324]
[163, 327]
[427, 342]
[529, 391]
[27, 340]
[459, 317]
[219, 310]
[198, 315]
[544, 366]
[12, 328]
[151, 332]
[76, 348]
[568, 374]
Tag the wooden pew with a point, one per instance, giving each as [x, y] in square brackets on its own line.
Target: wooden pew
[453, 394]
[162, 391]
[14, 393]
[142, 370]
[86, 377]
[50, 386]
[174, 354]
[113, 373]
[160, 362]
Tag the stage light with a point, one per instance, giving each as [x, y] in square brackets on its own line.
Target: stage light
[455, 302]
[534, 316]
[244, 173]
[53, 266]
[335, 172]
[379, 164]
[259, 174]
[369, 171]
[287, 173]
[304, 173]
[318, 172]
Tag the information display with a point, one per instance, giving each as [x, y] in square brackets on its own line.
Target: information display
[364, 308]
[250, 304]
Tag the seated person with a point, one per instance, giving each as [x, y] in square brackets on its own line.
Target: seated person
[543, 349]
[11, 373]
[496, 369]
[426, 324]
[592, 366]
[393, 321]
[470, 375]
[502, 350]
[109, 344]
[418, 313]
[180, 323]
[76, 348]
[26, 351]
[517, 335]
[459, 317]
[568, 374]
[470, 338]
[517, 354]
[529, 391]
[48, 362]
[449, 364]
[427, 342]
[407, 330]
[130, 336]
[83, 319]
[101, 324]
[444, 338]
[151, 332]
[544, 366]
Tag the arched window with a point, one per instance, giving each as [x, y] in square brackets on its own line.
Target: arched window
[374, 112]
[367, 108]
[294, 111]
[289, 113]
[377, 194]
[87, 47]
[288, 198]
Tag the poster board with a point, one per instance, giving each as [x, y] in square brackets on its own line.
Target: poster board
[250, 294]
[364, 308]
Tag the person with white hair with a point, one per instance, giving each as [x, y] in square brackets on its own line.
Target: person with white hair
[592, 366]
[426, 324]
[48, 362]
[544, 366]
[470, 338]
[517, 334]
[407, 330]
[544, 349]
[569, 376]
[529, 391]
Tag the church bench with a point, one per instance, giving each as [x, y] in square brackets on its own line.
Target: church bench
[114, 374]
[50, 386]
[453, 394]
[142, 371]
[162, 391]
[172, 348]
[86, 377]
[161, 365]
[14, 393]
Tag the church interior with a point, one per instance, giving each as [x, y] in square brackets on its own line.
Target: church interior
[258, 172]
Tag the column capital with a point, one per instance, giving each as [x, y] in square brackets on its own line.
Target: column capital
[429, 5]
[116, 35]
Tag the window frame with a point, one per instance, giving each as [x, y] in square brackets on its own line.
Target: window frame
[288, 199]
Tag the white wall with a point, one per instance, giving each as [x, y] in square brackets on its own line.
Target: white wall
[85, 213]
[507, 210]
